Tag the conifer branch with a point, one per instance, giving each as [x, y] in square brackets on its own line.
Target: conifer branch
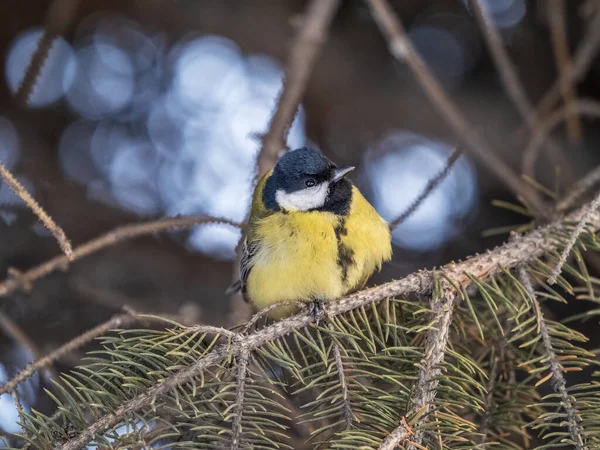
[25, 279]
[401, 48]
[508, 75]
[428, 189]
[59, 16]
[572, 73]
[48, 222]
[558, 380]
[430, 370]
[558, 32]
[580, 106]
[518, 251]
[242, 372]
[589, 210]
[300, 63]
[339, 365]
[579, 189]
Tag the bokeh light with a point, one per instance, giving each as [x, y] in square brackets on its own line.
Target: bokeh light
[56, 75]
[170, 131]
[9, 143]
[399, 167]
[504, 13]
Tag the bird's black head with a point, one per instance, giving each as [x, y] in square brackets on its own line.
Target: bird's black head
[305, 180]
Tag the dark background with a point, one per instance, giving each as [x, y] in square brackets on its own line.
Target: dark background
[360, 106]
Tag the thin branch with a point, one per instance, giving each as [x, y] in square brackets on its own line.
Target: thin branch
[339, 365]
[402, 49]
[508, 75]
[431, 185]
[242, 372]
[59, 16]
[558, 380]
[48, 222]
[488, 399]
[300, 63]
[520, 250]
[573, 72]
[558, 32]
[580, 188]
[589, 210]
[580, 106]
[113, 237]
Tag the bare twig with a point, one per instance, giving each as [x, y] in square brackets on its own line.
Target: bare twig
[508, 75]
[402, 49]
[579, 106]
[580, 188]
[558, 31]
[558, 380]
[431, 185]
[300, 63]
[48, 222]
[573, 72]
[242, 372]
[113, 237]
[520, 250]
[589, 210]
[339, 365]
[59, 16]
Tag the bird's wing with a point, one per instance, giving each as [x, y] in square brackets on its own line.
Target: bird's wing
[246, 263]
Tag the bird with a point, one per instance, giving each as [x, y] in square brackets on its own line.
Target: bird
[312, 237]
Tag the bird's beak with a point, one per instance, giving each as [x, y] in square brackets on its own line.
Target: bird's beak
[340, 172]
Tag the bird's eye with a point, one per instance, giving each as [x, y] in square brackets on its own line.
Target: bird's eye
[310, 183]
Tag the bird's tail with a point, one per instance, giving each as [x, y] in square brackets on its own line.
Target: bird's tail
[234, 288]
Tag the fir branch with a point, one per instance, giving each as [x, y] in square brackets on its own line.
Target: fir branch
[25, 279]
[579, 189]
[299, 66]
[572, 73]
[339, 365]
[431, 185]
[520, 250]
[118, 321]
[430, 370]
[48, 222]
[242, 372]
[584, 107]
[556, 371]
[560, 46]
[589, 210]
[59, 16]
[508, 74]
[401, 48]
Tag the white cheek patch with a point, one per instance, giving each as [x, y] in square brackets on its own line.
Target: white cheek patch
[303, 200]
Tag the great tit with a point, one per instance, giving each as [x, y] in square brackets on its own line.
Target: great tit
[312, 236]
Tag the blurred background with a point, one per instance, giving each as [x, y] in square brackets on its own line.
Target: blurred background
[151, 108]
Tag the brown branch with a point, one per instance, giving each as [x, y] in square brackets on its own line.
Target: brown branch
[402, 49]
[583, 221]
[59, 16]
[556, 370]
[240, 393]
[48, 222]
[300, 63]
[113, 237]
[508, 75]
[425, 390]
[520, 250]
[580, 188]
[579, 106]
[558, 32]
[339, 365]
[431, 185]
[573, 72]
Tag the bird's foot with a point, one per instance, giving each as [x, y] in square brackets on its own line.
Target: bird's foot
[318, 310]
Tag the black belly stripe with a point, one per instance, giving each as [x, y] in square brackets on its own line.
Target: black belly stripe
[345, 254]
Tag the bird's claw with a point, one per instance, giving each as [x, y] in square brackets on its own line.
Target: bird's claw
[318, 311]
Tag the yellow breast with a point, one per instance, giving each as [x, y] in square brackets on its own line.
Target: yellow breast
[315, 255]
